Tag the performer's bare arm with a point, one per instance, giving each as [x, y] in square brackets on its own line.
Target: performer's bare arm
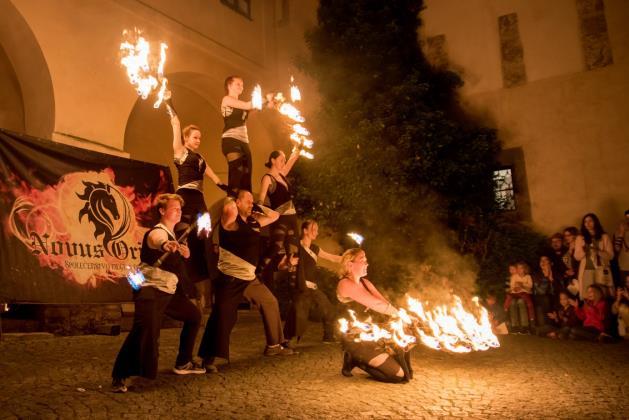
[210, 173]
[330, 257]
[290, 162]
[267, 218]
[178, 147]
[158, 239]
[264, 188]
[236, 103]
[230, 212]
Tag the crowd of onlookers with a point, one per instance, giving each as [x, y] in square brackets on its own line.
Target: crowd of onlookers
[579, 289]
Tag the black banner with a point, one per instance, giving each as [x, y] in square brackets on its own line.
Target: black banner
[72, 220]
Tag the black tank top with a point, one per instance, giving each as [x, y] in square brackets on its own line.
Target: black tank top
[236, 118]
[244, 242]
[191, 169]
[173, 263]
[278, 193]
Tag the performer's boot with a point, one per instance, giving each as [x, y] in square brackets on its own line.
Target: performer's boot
[403, 361]
[348, 364]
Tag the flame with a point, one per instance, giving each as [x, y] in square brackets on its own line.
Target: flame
[135, 278]
[291, 112]
[142, 73]
[295, 94]
[256, 97]
[450, 328]
[356, 237]
[204, 224]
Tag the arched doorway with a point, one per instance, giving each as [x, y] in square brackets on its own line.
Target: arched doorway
[25, 75]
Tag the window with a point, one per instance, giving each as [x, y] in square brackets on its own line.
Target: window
[503, 188]
[241, 6]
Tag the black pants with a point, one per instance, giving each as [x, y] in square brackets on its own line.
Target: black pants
[584, 333]
[239, 169]
[140, 351]
[198, 265]
[228, 293]
[387, 371]
[298, 314]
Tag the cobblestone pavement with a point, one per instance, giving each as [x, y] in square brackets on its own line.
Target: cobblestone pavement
[50, 377]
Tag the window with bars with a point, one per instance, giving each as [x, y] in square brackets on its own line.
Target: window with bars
[503, 189]
[241, 6]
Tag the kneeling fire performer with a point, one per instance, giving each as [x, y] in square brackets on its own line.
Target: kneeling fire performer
[140, 352]
[360, 295]
[239, 254]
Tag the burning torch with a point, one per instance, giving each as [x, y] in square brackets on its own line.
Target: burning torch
[202, 224]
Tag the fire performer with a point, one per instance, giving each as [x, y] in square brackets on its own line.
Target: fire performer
[356, 291]
[239, 252]
[140, 351]
[235, 140]
[307, 292]
[191, 169]
[278, 190]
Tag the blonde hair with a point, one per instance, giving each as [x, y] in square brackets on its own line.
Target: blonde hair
[187, 130]
[348, 257]
[163, 199]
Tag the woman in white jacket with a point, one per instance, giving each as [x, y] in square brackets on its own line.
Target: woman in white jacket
[594, 250]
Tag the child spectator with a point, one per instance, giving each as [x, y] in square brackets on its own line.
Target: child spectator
[562, 320]
[593, 314]
[620, 307]
[520, 289]
[497, 314]
[544, 287]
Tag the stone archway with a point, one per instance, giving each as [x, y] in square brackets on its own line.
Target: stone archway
[30, 70]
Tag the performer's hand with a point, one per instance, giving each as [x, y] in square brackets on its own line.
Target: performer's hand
[294, 260]
[170, 246]
[184, 250]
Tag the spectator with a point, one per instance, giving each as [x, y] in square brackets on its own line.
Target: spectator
[620, 308]
[569, 275]
[561, 320]
[497, 314]
[520, 289]
[621, 246]
[594, 250]
[557, 250]
[593, 314]
[544, 287]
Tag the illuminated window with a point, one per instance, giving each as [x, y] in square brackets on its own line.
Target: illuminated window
[241, 6]
[503, 188]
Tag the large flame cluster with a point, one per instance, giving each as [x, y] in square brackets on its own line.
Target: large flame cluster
[445, 327]
[144, 69]
[300, 135]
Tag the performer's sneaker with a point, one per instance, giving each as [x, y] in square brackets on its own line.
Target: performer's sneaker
[118, 386]
[189, 369]
[278, 350]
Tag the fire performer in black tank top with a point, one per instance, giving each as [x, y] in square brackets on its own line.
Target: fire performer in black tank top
[239, 253]
[191, 170]
[359, 294]
[307, 292]
[140, 351]
[235, 139]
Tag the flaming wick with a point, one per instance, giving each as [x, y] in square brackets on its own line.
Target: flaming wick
[135, 278]
[204, 224]
[256, 97]
[356, 237]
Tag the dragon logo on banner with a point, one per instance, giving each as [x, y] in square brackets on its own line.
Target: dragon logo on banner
[84, 226]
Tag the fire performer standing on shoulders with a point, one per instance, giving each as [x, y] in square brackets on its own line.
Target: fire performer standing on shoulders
[360, 294]
[235, 140]
[239, 252]
[191, 170]
[140, 352]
